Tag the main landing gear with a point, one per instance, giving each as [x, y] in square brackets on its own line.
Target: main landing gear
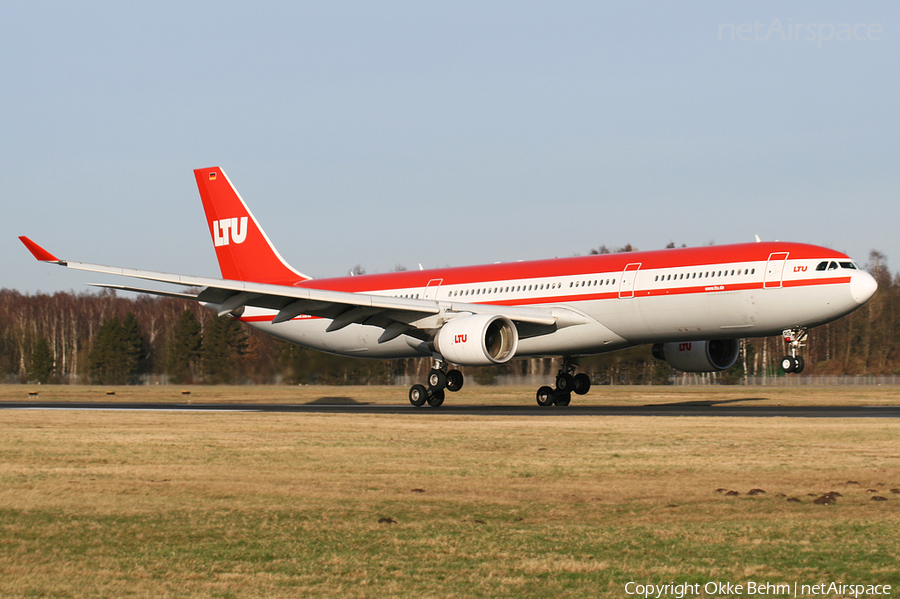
[567, 382]
[795, 338]
[439, 379]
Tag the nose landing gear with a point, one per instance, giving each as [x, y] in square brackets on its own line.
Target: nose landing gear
[795, 338]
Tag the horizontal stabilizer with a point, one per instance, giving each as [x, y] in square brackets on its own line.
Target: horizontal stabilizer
[188, 296]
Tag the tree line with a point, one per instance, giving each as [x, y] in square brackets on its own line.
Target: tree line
[103, 338]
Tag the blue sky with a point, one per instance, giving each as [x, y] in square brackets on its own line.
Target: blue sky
[453, 133]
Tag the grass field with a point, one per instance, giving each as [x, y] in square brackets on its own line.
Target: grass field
[469, 395]
[170, 504]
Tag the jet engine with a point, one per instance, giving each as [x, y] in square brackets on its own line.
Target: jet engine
[477, 340]
[699, 356]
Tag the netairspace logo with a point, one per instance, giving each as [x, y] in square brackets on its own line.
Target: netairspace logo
[797, 32]
[750, 588]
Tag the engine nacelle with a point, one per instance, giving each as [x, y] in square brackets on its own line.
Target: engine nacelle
[477, 340]
[699, 356]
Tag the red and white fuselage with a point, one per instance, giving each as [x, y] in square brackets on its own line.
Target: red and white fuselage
[712, 292]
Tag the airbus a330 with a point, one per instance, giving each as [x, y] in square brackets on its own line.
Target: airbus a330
[692, 304]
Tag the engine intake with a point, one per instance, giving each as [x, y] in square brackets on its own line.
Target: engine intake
[477, 340]
[699, 356]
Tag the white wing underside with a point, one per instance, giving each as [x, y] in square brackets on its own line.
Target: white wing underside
[394, 314]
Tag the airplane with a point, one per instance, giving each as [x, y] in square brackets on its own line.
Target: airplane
[693, 304]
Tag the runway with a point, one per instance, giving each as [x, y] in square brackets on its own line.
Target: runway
[687, 409]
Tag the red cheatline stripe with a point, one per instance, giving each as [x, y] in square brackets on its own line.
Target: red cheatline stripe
[589, 297]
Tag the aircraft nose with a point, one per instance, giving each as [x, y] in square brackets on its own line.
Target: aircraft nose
[862, 286]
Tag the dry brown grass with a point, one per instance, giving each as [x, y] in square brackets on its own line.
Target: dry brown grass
[284, 504]
[469, 395]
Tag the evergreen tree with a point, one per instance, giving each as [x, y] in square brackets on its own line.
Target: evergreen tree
[117, 351]
[102, 358]
[41, 362]
[224, 342]
[185, 348]
[135, 347]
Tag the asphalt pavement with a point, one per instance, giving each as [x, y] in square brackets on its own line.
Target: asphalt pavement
[684, 409]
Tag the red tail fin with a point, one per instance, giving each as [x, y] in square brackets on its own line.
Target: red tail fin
[242, 247]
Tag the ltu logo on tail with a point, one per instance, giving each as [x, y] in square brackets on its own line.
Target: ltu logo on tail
[227, 230]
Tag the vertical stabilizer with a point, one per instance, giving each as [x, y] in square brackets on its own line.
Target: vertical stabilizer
[242, 247]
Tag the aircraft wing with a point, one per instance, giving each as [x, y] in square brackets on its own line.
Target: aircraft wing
[396, 315]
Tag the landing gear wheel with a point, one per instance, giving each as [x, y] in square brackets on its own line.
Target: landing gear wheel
[565, 382]
[436, 398]
[545, 396]
[795, 339]
[418, 394]
[437, 379]
[563, 399]
[582, 383]
[454, 380]
[788, 364]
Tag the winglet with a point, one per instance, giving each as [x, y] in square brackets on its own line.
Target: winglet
[39, 252]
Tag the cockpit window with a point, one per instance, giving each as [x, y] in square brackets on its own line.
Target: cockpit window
[822, 266]
[832, 266]
[848, 265]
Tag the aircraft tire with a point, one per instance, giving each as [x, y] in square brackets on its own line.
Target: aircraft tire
[582, 383]
[437, 379]
[418, 394]
[565, 382]
[562, 399]
[788, 364]
[800, 363]
[545, 396]
[454, 380]
[436, 398]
